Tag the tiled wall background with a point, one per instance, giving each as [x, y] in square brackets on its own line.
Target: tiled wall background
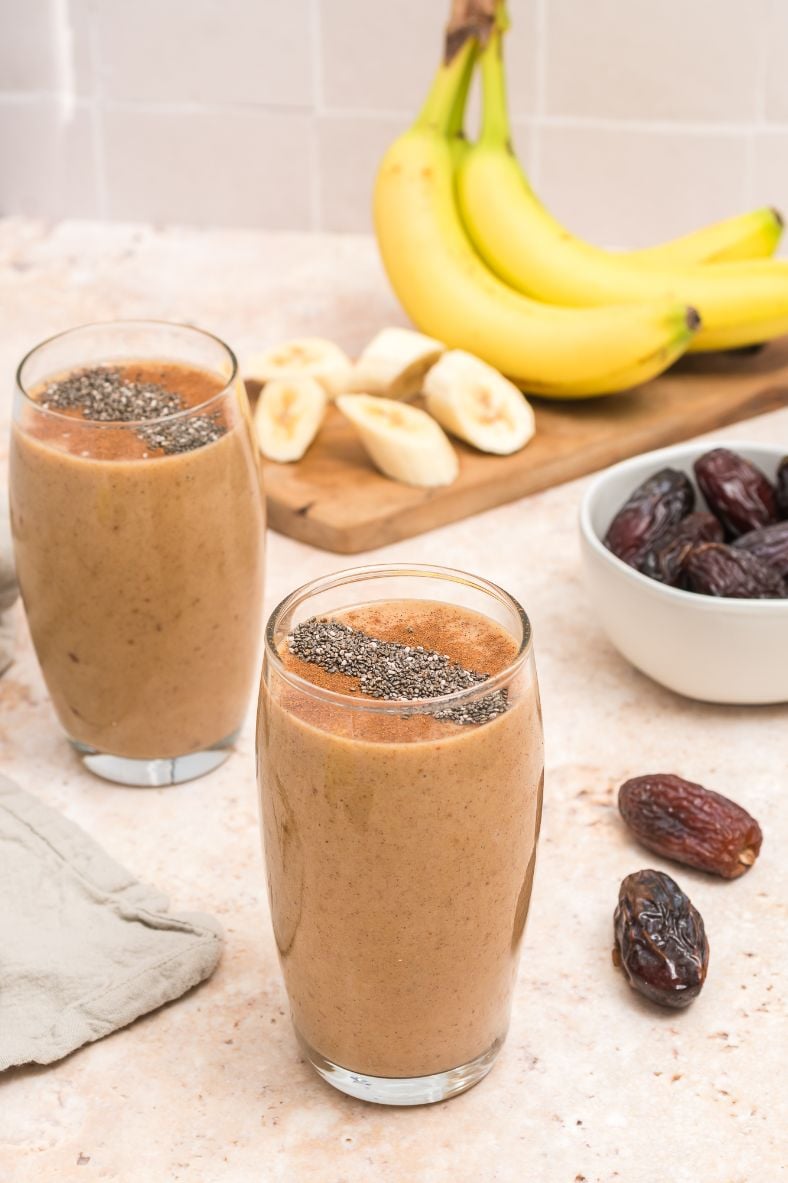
[635, 120]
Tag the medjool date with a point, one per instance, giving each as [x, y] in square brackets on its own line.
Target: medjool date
[648, 514]
[714, 569]
[769, 544]
[683, 821]
[666, 563]
[661, 943]
[737, 492]
[782, 488]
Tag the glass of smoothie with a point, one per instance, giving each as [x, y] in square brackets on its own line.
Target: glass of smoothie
[400, 765]
[138, 526]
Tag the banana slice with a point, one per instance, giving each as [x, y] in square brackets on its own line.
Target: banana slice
[475, 402]
[312, 357]
[394, 363]
[287, 417]
[404, 442]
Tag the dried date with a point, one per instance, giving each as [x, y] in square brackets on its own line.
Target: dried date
[782, 488]
[714, 569]
[666, 563]
[661, 943]
[736, 491]
[769, 544]
[681, 820]
[648, 514]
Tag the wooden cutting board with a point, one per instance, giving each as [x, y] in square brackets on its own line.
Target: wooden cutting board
[336, 500]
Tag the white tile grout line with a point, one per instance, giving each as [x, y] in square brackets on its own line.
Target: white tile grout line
[763, 66]
[749, 170]
[534, 157]
[593, 122]
[318, 88]
[62, 32]
[172, 107]
[96, 113]
[287, 111]
[759, 124]
[657, 126]
[315, 178]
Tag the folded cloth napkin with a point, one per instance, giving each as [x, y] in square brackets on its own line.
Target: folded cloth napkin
[84, 948]
[8, 588]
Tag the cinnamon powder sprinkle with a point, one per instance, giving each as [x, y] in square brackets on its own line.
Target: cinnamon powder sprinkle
[104, 394]
[392, 670]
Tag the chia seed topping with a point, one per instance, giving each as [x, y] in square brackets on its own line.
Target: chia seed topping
[104, 395]
[185, 435]
[390, 670]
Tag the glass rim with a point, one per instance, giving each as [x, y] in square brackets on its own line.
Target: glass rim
[397, 706]
[133, 322]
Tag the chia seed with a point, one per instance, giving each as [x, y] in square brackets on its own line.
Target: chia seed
[185, 435]
[387, 669]
[102, 394]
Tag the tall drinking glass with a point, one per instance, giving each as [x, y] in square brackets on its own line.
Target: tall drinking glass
[400, 836]
[138, 530]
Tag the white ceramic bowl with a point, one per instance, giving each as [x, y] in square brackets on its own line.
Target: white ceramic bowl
[718, 650]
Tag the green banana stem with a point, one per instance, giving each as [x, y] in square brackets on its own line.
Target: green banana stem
[457, 118]
[439, 107]
[496, 128]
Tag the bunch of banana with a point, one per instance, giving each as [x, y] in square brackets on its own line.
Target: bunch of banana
[740, 303]
[458, 249]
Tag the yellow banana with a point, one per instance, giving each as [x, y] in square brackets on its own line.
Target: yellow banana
[450, 294]
[754, 235]
[740, 303]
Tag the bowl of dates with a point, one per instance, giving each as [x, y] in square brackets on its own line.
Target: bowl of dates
[686, 558]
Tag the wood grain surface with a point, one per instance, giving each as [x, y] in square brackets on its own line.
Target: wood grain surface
[335, 499]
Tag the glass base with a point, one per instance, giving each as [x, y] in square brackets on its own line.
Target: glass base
[402, 1090]
[124, 770]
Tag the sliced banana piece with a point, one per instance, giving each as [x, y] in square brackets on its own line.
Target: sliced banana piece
[287, 417]
[312, 357]
[404, 442]
[394, 363]
[475, 402]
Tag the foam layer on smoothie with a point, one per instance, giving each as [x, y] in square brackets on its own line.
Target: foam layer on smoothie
[466, 637]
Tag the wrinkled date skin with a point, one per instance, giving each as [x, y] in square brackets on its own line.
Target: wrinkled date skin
[737, 492]
[681, 820]
[661, 943]
[714, 569]
[782, 488]
[654, 508]
[769, 544]
[666, 564]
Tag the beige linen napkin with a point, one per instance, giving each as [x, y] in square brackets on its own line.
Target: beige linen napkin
[84, 948]
[8, 588]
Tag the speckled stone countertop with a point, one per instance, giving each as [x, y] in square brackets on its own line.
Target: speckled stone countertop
[593, 1086]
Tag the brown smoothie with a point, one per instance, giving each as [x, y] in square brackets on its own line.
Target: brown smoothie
[141, 567]
[400, 853]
